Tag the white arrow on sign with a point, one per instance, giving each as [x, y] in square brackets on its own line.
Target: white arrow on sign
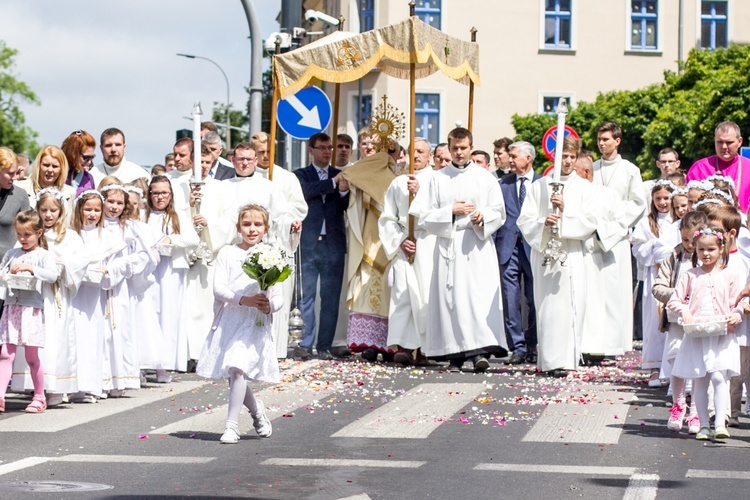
[310, 117]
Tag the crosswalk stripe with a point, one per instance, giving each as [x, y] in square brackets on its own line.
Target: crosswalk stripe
[27, 462]
[53, 420]
[559, 469]
[717, 474]
[213, 421]
[642, 487]
[599, 421]
[343, 462]
[415, 414]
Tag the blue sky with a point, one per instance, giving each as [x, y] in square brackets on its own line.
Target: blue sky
[97, 64]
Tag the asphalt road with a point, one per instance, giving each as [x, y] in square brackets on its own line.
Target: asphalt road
[358, 430]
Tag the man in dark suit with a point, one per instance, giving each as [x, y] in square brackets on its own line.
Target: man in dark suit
[322, 245]
[513, 254]
[502, 160]
[218, 171]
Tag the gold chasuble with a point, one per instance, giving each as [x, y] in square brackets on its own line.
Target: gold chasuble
[368, 292]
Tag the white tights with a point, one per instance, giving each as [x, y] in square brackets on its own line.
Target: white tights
[678, 393]
[239, 394]
[721, 397]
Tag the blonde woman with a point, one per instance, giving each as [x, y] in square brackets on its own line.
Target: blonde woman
[49, 170]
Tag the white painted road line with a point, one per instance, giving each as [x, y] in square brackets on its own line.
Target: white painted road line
[55, 420]
[717, 474]
[559, 469]
[343, 462]
[642, 487]
[598, 422]
[27, 462]
[213, 421]
[135, 459]
[415, 414]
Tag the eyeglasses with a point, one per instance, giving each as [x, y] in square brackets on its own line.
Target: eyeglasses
[160, 194]
[86, 158]
[323, 148]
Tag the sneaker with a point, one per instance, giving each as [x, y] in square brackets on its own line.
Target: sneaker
[260, 421]
[116, 393]
[230, 436]
[163, 377]
[676, 416]
[704, 434]
[721, 433]
[694, 424]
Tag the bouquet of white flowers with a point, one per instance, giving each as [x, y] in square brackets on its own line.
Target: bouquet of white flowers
[268, 265]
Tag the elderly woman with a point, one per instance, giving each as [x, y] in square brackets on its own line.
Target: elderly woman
[12, 200]
[79, 150]
[49, 170]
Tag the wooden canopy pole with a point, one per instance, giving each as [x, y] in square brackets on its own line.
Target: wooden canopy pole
[336, 95]
[412, 119]
[471, 88]
[274, 103]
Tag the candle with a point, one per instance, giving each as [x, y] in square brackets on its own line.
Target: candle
[562, 110]
[197, 113]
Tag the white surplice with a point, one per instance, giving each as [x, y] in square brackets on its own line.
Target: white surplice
[126, 171]
[465, 311]
[409, 282]
[289, 187]
[616, 270]
[560, 292]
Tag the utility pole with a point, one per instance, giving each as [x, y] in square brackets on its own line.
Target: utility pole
[286, 152]
[255, 105]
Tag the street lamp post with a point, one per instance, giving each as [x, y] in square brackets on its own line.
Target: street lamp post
[228, 129]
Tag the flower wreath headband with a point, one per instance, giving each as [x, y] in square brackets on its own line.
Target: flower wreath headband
[87, 193]
[702, 185]
[717, 177]
[707, 231]
[719, 192]
[134, 189]
[665, 183]
[678, 192]
[54, 192]
[118, 187]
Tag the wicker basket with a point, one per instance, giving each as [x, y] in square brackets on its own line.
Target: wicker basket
[21, 281]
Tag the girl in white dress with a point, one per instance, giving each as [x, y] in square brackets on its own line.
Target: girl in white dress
[709, 290]
[128, 260]
[177, 239]
[238, 348]
[22, 322]
[59, 353]
[644, 240]
[88, 303]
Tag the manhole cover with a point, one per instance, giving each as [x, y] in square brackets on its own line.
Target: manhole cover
[52, 486]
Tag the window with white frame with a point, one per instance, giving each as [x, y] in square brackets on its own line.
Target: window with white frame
[429, 12]
[714, 18]
[428, 117]
[558, 24]
[644, 21]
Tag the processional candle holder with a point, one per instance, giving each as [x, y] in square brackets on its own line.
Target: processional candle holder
[201, 251]
[296, 323]
[554, 252]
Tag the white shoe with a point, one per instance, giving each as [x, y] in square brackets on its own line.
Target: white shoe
[54, 399]
[260, 421]
[143, 378]
[116, 393]
[230, 436]
[163, 377]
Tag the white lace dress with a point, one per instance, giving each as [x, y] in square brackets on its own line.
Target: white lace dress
[236, 340]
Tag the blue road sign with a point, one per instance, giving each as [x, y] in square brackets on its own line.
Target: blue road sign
[745, 152]
[305, 113]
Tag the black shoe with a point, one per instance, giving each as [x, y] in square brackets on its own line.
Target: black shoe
[370, 355]
[302, 353]
[340, 351]
[480, 364]
[455, 365]
[558, 373]
[516, 359]
[191, 365]
[325, 355]
[531, 358]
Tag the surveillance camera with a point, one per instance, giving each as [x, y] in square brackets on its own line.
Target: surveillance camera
[314, 15]
[285, 40]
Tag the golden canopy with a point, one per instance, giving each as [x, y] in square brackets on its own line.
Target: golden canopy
[345, 57]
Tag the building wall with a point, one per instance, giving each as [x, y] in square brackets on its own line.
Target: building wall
[517, 70]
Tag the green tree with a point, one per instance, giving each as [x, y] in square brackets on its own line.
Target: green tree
[680, 112]
[14, 133]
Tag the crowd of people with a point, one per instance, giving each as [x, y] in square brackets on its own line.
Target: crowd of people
[113, 275]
